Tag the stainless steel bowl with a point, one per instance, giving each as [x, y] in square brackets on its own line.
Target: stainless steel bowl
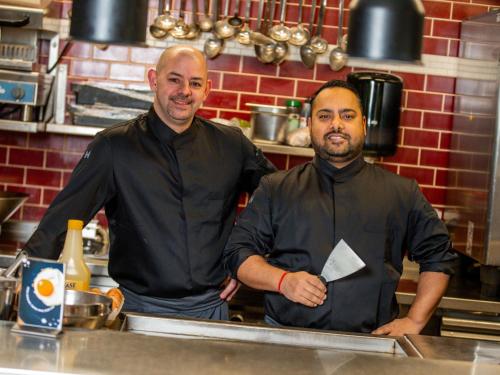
[85, 309]
[268, 123]
[7, 292]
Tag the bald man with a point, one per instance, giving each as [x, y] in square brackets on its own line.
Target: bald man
[169, 182]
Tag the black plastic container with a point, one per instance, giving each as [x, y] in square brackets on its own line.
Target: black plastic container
[381, 98]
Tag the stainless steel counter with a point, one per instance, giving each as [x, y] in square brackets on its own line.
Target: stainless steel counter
[110, 352]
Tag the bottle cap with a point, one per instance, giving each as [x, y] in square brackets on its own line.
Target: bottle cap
[293, 103]
[75, 224]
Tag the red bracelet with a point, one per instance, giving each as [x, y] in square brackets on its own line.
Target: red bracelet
[281, 280]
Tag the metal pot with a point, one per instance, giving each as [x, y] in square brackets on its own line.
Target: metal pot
[7, 292]
[85, 309]
[268, 123]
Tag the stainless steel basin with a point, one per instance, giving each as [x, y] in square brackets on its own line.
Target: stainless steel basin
[9, 202]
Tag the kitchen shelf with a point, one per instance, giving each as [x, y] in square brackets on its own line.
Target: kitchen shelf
[22, 126]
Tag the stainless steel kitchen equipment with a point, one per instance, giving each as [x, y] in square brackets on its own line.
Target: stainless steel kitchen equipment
[9, 203]
[268, 123]
[85, 309]
[7, 292]
[21, 88]
[473, 194]
[381, 98]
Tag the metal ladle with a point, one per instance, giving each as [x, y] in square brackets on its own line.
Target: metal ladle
[264, 46]
[236, 21]
[194, 29]
[338, 57]
[307, 54]
[318, 44]
[244, 35]
[280, 32]
[298, 34]
[181, 28]
[164, 22]
[206, 23]
[222, 27]
[213, 45]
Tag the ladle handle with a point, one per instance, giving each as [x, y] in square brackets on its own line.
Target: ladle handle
[248, 6]
[273, 10]
[21, 258]
[195, 12]
[205, 7]
[341, 22]
[166, 6]
[259, 15]
[299, 18]
[237, 7]
[322, 9]
[182, 8]
[311, 19]
[226, 8]
[215, 10]
[283, 11]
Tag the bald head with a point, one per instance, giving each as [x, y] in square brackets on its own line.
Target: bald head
[175, 52]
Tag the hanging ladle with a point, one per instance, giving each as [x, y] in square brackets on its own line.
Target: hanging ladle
[244, 35]
[194, 28]
[264, 46]
[318, 44]
[222, 27]
[206, 23]
[181, 28]
[307, 54]
[236, 21]
[280, 32]
[338, 57]
[213, 45]
[164, 22]
[299, 34]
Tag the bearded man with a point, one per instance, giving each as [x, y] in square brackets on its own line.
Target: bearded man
[295, 218]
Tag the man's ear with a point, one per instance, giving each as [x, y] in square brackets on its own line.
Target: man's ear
[208, 88]
[152, 79]
[364, 125]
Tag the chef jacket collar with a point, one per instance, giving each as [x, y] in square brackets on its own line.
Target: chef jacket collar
[339, 174]
[168, 136]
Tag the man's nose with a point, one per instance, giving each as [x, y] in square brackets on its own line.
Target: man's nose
[337, 122]
[186, 88]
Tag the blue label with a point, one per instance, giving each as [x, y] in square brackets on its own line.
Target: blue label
[41, 300]
[7, 90]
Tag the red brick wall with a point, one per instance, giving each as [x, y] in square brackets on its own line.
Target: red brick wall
[40, 164]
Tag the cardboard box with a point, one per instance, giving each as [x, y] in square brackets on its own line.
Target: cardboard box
[27, 3]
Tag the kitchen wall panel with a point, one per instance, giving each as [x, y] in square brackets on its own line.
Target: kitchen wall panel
[41, 164]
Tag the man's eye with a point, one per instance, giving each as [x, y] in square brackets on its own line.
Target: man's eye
[196, 84]
[174, 80]
[347, 116]
[324, 117]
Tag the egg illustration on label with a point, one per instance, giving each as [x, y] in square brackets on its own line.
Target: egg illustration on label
[47, 286]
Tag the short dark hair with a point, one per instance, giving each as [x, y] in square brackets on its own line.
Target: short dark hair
[333, 84]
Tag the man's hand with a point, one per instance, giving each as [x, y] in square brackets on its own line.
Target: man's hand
[304, 288]
[230, 286]
[399, 327]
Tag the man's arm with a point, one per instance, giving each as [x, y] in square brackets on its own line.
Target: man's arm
[255, 165]
[300, 287]
[431, 287]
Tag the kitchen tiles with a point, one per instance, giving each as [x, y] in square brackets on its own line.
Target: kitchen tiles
[227, 63]
[295, 69]
[434, 158]
[435, 46]
[420, 100]
[145, 55]
[13, 138]
[410, 118]
[62, 160]
[403, 155]
[440, 84]
[421, 138]
[26, 157]
[258, 99]
[42, 177]
[438, 121]
[437, 9]
[111, 53]
[239, 82]
[46, 141]
[222, 99]
[424, 176]
[412, 81]
[11, 175]
[462, 11]
[33, 192]
[127, 72]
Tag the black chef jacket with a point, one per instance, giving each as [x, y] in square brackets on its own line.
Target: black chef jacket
[170, 200]
[296, 217]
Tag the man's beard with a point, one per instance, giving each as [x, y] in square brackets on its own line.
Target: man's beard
[329, 152]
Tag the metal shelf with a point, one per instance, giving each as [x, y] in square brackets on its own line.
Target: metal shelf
[22, 126]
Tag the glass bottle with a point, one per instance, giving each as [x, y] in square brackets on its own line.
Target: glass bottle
[293, 109]
[77, 272]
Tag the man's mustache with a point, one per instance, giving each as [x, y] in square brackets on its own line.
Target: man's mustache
[337, 132]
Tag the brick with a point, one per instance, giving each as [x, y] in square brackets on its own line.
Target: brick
[215, 78]
[412, 81]
[127, 72]
[445, 142]
[438, 121]
[410, 118]
[427, 26]
[222, 99]
[49, 195]
[62, 160]
[473, 180]
[206, 113]
[89, 68]
[297, 160]
[227, 63]
[306, 88]
[277, 86]
[46, 141]
[80, 50]
[421, 138]
[11, 175]
[33, 213]
[278, 160]
[43, 178]
[434, 158]
[33, 192]
[257, 99]
[435, 195]
[77, 143]
[25, 157]
[237, 82]
[419, 100]
[149, 55]
[112, 53]
[437, 9]
[463, 11]
[480, 162]
[295, 69]
[424, 176]
[475, 143]
[441, 84]
[444, 178]
[460, 160]
[404, 155]
[253, 66]
[446, 29]
[449, 103]
[324, 73]
[13, 138]
[66, 176]
[453, 50]
[485, 2]
[3, 155]
[435, 46]
[230, 114]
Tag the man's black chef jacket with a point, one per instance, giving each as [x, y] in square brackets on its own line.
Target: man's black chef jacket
[296, 218]
[170, 200]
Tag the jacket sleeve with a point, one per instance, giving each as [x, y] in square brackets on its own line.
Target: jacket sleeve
[90, 186]
[255, 165]
[429, 243]
[253, 233]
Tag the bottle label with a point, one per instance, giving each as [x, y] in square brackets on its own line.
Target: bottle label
[76, 285]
